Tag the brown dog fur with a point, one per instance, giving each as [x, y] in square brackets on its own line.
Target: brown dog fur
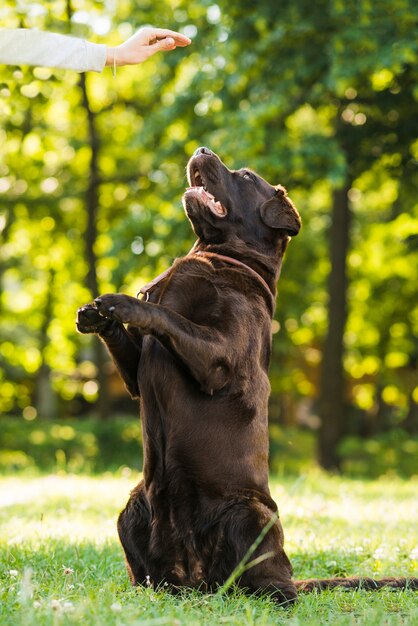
[197, 355]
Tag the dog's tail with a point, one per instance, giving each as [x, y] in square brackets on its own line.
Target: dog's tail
[355, 582]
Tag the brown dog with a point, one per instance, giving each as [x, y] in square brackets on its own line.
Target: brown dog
[196, 352]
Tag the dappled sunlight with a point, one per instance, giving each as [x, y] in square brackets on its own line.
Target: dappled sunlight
[62, 562]
[366, 523]
[319, 513]
[319, 97]
[73, 508]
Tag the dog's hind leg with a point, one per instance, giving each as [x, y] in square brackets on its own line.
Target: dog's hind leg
[134, 534]
[267, 569]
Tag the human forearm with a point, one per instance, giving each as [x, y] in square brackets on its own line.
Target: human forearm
[32, 47]
[24, 46]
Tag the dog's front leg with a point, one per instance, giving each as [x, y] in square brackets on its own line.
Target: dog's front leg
[203, 350]
[124, 348]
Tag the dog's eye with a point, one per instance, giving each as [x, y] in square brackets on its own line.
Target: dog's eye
[247, 175]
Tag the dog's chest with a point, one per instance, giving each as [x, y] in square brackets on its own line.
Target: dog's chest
[193, 296]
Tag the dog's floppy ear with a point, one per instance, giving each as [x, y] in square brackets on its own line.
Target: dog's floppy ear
[280, 212]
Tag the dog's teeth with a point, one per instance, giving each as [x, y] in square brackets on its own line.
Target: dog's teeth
[220, 208]
[198, 178]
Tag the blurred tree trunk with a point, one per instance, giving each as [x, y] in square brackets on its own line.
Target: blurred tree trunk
[45, 400]
[410, 423]
[4, 238]
[92, 204]
[332, 409]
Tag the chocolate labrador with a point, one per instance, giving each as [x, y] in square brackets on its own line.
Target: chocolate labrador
[195, 350]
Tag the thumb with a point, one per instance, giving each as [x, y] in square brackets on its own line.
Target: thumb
[163, 44]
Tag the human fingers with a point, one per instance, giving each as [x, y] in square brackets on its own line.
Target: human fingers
[167, 43]
[162, 33]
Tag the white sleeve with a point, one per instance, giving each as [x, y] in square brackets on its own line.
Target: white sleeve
[23, 46]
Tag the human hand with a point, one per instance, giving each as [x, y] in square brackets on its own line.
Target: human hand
[143, 44]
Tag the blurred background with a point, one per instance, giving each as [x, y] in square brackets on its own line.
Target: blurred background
[318, 96]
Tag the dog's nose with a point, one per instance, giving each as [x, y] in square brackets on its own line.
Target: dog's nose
[203, 150]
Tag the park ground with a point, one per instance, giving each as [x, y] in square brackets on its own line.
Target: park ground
[61, 562]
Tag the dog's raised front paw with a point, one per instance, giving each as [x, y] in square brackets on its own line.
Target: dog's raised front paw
[118, 306]
[89, 320]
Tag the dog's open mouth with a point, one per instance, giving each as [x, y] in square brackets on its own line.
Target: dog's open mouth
[199, 190]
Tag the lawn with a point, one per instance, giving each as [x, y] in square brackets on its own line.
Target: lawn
[61, 562]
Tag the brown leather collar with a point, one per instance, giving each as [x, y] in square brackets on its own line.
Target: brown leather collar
[149, 287]
[230, 259]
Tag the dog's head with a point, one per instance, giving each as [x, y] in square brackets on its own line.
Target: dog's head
[224, 204]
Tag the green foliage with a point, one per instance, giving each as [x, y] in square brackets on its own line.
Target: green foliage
[392, 452]
[76, 446]
[313, 95]
[79, 446]
[61, 563]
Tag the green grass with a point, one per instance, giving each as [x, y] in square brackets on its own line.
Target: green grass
[61, 562]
